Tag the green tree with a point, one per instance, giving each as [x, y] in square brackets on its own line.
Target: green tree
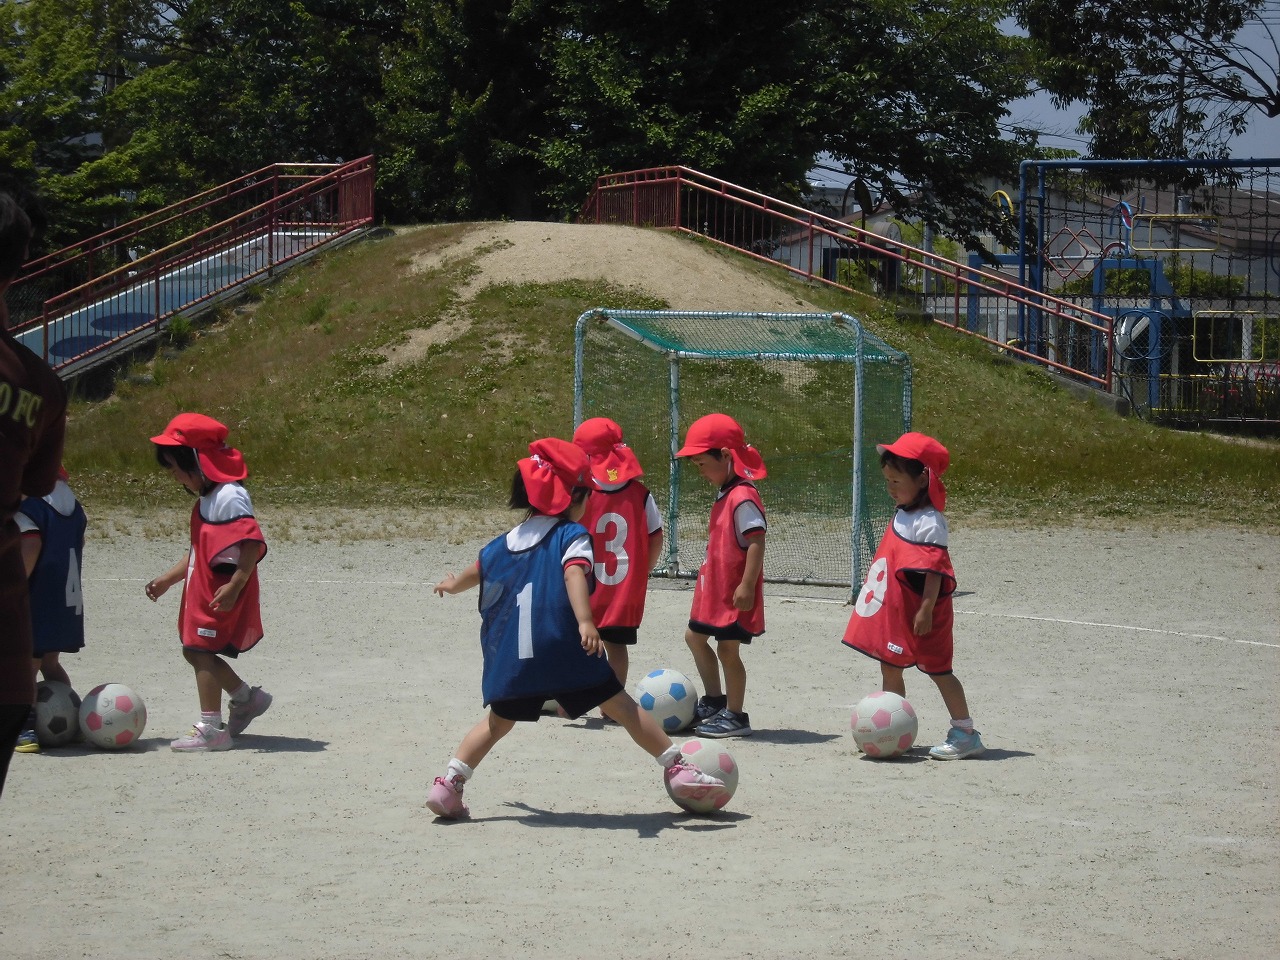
[724, 87]
[913, 97]
[1165, 78]
[60, 61]
[465, 105]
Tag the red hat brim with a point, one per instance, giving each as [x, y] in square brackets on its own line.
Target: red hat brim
[719, 431]
[208, 438]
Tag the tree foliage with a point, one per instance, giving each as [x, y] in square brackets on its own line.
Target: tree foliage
[1164, 78]
[492, 108]
[915, 95]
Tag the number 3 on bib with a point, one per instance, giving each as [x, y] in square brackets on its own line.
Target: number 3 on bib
[615, 546]
[871, 596]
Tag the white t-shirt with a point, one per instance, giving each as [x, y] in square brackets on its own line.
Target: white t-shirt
[921, 526]
[530, 533]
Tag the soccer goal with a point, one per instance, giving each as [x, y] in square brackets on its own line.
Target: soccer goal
[814, 392]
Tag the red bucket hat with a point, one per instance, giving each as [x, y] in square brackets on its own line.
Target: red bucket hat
[612, 461]
[934, 456]
[551, 472]
[208, 438]
[719, 431]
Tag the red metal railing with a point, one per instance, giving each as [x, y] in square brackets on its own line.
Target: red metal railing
[980, 302]
[79, 305]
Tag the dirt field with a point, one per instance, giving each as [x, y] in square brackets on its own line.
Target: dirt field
[1126, 683]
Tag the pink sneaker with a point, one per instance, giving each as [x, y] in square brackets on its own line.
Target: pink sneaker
[445, 799]
[203, 738]
[687, 782]
[243, 714]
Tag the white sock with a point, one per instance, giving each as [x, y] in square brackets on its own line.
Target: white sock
[669, 757]
[966, 724]
[458, 770]
[243, 694]
[211, 718]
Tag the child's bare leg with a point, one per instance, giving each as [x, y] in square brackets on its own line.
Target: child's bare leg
[619, 659]
[892, 680]
[52, 670]
[445, 797]
[729, 653]
[481, 738]
[213, 675]
[953, 697]
[644, 730]
[704, 658]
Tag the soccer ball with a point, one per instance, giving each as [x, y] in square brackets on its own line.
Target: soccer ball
[112, 716]
[884, 725]
[670, 696]
[713, 759]
[57, 713]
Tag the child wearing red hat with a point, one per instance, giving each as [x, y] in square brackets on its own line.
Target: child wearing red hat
[536, 633]
[728, 599]
[903, 615]
[219, 614]
[626, 538]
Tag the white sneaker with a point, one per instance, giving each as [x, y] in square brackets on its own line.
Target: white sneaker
[958, 746]
[203, 738]
[243, 714]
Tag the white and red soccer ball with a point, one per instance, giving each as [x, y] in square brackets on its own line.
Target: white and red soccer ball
[669, 696]
[711, 757]
[884, 725]
[112, 716]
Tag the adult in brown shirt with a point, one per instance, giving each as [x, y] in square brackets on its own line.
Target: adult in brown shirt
[33, 409]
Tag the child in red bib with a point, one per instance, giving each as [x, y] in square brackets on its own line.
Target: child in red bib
[219, 616]
[903, 615]
[626, 537]
[728, 600]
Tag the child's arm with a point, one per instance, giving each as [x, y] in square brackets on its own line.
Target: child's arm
[225, 597]
[458, 582]
[575, 582]
[923, 621]
[656, 541]
[178, 572]
[744, 597]
[31, 544]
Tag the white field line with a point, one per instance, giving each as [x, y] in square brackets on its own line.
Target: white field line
[840, 602]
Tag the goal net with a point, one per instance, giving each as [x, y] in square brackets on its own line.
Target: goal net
[814, 392]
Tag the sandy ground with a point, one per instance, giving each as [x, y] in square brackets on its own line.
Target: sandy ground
[1127, 684]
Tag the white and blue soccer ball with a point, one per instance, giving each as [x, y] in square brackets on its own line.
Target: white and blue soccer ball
[669, 696]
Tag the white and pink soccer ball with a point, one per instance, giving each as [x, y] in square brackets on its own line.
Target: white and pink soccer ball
[884, 725]
[112, 716]
[711, 757]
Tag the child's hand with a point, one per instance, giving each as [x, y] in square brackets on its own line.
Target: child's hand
[225, 597]
[744, 597]
[922, 623]
[591, 641]
[458, 582]
[156, 589]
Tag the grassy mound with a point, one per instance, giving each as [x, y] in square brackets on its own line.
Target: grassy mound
[374, 379]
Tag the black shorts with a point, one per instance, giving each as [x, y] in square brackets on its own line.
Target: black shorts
[626, 636]
[575, 703]
[732, 632]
